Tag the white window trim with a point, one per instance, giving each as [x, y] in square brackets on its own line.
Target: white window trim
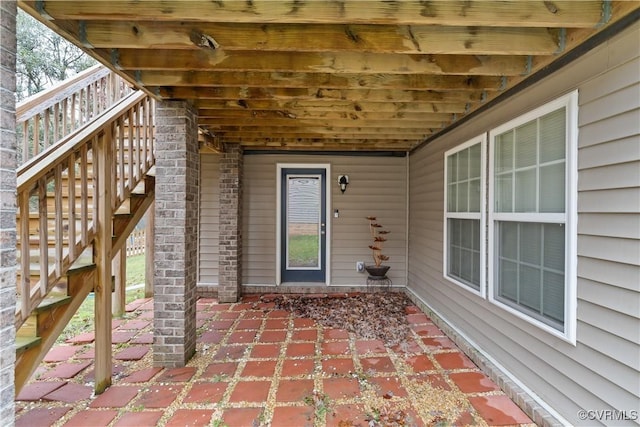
[569, 217]
[482, 140]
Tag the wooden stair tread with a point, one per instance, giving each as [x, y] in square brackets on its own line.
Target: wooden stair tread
[26, 342]
[48, 303]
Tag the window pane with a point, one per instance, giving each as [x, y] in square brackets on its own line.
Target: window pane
[454, 261]
[530, 295]
[504, 193]
[474, 195]
[467, 235]
[525, 191]
[452, 197]
[526, 145]
[463, 197]
[463, 165]
[508, 280]
[508, 239]
[303, 222]
[466, 265]
[530, 242]
[553, 296]
[463, 261]
[554, 247]
[504, 152]
[476, 268]
[552, 136]
[523, 282]
[474, 161]
[552, 191]
[451, 168]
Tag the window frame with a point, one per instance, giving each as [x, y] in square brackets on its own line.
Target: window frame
[568, 218]
[481, 215]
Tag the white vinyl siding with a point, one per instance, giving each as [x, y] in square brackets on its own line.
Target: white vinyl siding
[464, 215]
[531, 171]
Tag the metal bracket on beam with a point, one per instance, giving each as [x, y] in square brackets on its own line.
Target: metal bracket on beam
[115, 58]
[503, 83]
[605, 16]
[210, 141]
[528, 66]
[562, 41]
[82, 34]
[40, 7]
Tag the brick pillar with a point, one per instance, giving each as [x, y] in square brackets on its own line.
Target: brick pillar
[8, 209]
[176, 233]
[230, 245]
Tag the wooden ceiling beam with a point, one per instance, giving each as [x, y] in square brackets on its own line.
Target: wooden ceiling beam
[319, 126]
[246, 96]
[312, 114]
[335, 106]
[311, 62]
[319, 80]
[327, 135]
[324, 145]
[416, 39]
[486, 13]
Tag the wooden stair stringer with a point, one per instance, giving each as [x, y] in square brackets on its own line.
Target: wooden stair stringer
[124, 224]
[51, 323]
[35, 296]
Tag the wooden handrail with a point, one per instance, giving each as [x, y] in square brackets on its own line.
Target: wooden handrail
[49, 185]
[56, 155]
[52, 114]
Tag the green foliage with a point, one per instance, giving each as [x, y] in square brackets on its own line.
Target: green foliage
[303, 250]
[135, 270]
[44, 57]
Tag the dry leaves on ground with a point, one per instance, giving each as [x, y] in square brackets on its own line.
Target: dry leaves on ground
[379, 315]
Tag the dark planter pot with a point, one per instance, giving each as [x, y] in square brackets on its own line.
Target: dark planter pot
[377, 273]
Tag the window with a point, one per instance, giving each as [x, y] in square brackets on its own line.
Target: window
[464, 215]
[532, 181]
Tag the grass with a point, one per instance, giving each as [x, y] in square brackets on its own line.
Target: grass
[82, 321]
[303, 250]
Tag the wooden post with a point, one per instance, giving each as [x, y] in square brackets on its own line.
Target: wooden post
[149, 251]
[119, 299]
[102, 255]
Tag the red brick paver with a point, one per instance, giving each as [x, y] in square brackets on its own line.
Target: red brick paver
[115, 397]
[256, 365]
[41, 416]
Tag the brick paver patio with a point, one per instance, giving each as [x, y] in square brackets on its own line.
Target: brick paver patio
[259, 366]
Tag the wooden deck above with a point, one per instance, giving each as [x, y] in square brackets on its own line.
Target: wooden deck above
[329, 75]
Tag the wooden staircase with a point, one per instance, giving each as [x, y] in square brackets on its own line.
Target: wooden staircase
[79, 199]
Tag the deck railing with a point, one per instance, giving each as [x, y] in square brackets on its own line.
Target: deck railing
[136, 242]
[66, 197]
[48, 116]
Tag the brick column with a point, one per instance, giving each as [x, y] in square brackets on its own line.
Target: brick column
[176, 233]
[230, 245]
[8, 209]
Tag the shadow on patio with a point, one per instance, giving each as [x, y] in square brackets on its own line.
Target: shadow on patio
[258, 365]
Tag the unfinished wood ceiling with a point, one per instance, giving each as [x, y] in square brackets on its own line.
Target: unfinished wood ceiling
[328, 75]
